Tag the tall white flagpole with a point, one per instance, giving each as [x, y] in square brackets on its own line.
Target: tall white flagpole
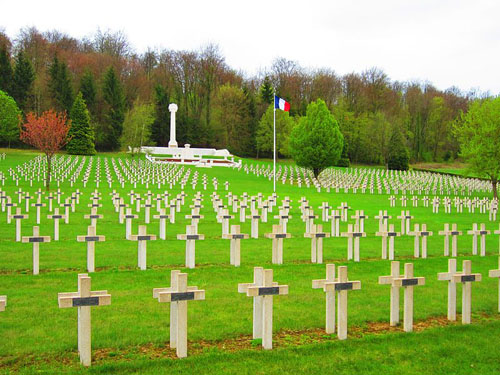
[274, 144]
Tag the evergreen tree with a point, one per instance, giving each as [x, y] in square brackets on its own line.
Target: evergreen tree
[24, 76]
[316, 142]
[266, 91]
[81, 134]
[160, 129]
[398, 156]
[60, 85]
[6, 74]
[89, 90]
[115, 111]
[9, 119]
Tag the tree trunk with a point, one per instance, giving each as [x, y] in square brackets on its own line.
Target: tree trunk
[494, 182]
[316, 172]
[47, 181]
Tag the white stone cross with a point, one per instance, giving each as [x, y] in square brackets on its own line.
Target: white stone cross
[142, 239]
[330, 297]
[452, 288]
[190, 237]
[454, 233]
[91, 238]
[3, 303]
[360, 219]
[235, 246]
[56, 217]
[382, 218]
[387, 280]
[466, 277]
[36, 239]
[254, 219]
[283, 218]
[344, 209]
[264, 291]
[38, 206]
[342, 285]
[424, 233]
[408, 282]
[478, 232]
[496, 273]
[84, 299]
[277, 236]
[405, 218]
[325, 209]
[353, 235]
[225, 217]
[163, 223]
[178, 294]
[128, 222]
[18, 217]
[94, 216]
[335, 222]
[316, 235]
[388, 234]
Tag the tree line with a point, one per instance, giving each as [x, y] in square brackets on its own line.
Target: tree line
[127, 96]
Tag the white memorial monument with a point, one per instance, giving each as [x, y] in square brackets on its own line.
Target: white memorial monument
[201, 157]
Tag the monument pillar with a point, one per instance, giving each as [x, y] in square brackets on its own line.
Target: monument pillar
[172, 108]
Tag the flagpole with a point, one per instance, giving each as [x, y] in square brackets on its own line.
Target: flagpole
[274, 144]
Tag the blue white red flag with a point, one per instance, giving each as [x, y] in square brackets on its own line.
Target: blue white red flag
[281, 104]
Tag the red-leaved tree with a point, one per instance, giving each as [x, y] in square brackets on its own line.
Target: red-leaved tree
[48, 133]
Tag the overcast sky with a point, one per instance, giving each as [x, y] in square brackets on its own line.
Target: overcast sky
[444, 42]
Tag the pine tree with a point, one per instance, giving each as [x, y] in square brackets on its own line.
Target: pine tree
[266, 91]
[6, 74]
[81, 135]
[398, 157]
[115, 114]
[160, 129]
[24, 76]
[60, 85]
[89, 90]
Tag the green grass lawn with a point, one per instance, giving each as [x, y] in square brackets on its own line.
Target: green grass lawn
[131, 335]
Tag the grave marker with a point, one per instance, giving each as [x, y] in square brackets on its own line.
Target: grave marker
[408, 282]
[18, 217]
[91, 238]
[316, 235]
[266, 291]
[387, 280]
[190, 237]
[342, 285]
[466, 277]
[36, 239]
[56, 217]
[178, 294]
[141, 239]
[330, 297]
[277, 236]
[235, 246]
[84, 298]
[454, 233]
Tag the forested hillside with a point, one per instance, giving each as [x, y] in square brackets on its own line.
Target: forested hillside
[219, 106]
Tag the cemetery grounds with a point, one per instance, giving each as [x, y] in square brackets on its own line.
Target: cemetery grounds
[132, 334]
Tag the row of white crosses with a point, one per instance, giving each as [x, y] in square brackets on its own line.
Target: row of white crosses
[262, 291]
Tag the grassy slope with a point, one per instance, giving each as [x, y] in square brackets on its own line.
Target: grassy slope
[33, 327]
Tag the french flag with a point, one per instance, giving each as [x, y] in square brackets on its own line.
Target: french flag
[281, 104]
